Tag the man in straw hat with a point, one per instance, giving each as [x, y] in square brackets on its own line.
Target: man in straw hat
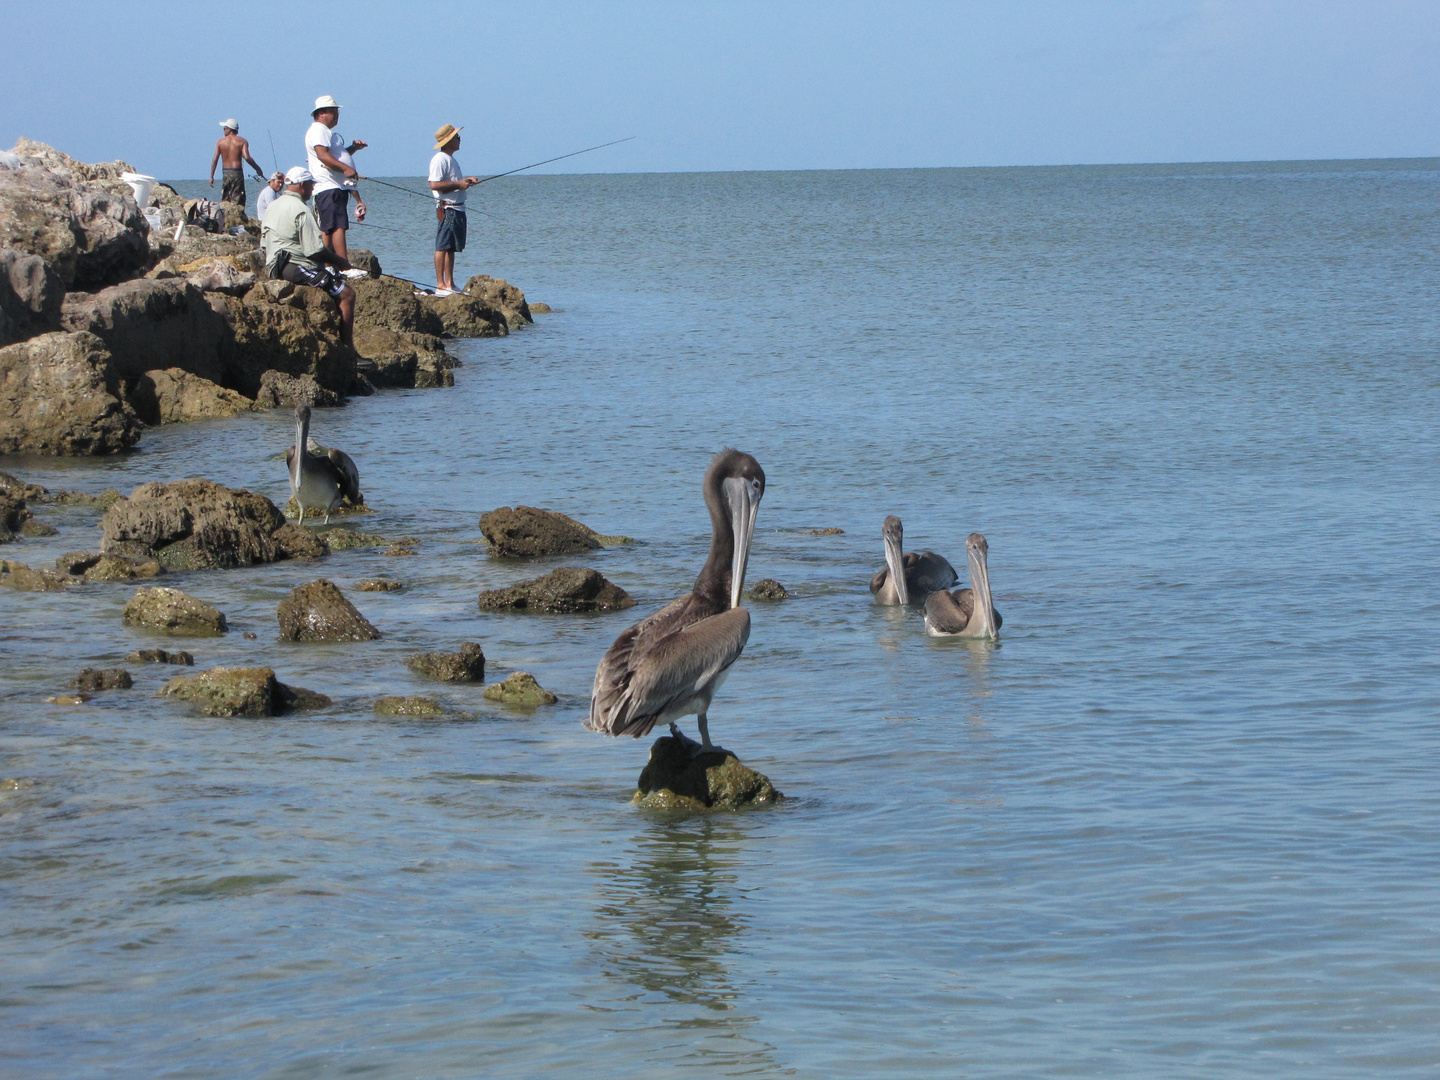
[233, 150]
[449, 185]
[330, 162]
[295, 251]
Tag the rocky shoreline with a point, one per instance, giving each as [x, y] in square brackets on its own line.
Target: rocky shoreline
[108, 327]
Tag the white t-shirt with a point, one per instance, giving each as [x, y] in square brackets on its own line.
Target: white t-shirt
[267, 196]
[443, 166]
[326, 179]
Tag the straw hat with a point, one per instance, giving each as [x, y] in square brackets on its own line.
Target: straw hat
[324, 101]
[232, 124]
[445, 134]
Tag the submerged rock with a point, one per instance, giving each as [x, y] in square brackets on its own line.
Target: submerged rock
[67, 699]
[170, 611]
[565, 591]
[520, 691]
[378, 585]
[712, 780]
[160, 656]
[22, 578]
[467, 665]
[227, 691]
[832, 531]
[346, 539]
[768, 589]
[103, 679]
[93, 566]
[318, 611]
[525, 531]
[408, 706]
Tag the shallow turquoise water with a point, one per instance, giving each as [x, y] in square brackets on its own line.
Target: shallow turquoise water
[1179, 822]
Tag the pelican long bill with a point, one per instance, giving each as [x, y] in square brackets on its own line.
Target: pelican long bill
[743, 495]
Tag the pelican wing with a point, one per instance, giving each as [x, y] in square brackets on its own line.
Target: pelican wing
[349, 475]
[929, 572]
[660, 662]
[878, 581]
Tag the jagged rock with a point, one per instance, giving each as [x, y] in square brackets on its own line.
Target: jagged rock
[501, 295]
[39, 155]
[20, 489]
[160, 656]
[91, 237]
[227, 691]
[405, 360]
[300, 543]
[14, 516]
[564, 591]
[298, 336]
[174, 396]
[378, 585]
[524, 531]
[768, 589]
[102, 679]
[22, 578]
[153, 324]
[67, 699]
[464, 316]
[281, 391]
[392, 304]
[364, 259]
[57, 396]
[520, 691]
[200, 525]
[30, 296]
[318, 611]
[170, 611]
[395, 705]
[711, 780]
[467, 665]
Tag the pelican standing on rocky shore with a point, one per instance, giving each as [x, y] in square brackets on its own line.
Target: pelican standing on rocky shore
[966, 612]
[669, 664]
[319, 483]
[908, 576]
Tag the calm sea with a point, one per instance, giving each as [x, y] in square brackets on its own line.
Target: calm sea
[1180, 821]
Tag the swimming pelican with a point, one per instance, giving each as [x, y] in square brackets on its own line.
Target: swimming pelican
[966, 612]
[925, 572]
[318, 483]
[669, 664]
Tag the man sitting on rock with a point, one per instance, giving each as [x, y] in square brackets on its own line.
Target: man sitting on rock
[295, 248]
[232, 150]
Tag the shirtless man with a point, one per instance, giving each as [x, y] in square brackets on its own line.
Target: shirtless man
[231, 149]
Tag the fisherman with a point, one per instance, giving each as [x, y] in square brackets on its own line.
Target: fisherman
[449, 185]
[331, 162]
[267, 194]
[233, 150]
[296, 251]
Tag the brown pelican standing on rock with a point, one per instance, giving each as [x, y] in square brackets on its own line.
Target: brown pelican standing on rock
[966, 612]
[669, 664]
[924, 572]
[319, 483]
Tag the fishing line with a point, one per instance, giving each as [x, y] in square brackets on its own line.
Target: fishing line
[511, 172]
[273, 155]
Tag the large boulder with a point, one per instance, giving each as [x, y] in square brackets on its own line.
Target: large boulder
[680, 776]
[464, 316]
[278, 390]
[174, 396]
[227, 691]
[173, 612]
[467, 665]
[30, 296]
[297, 334]
[200, 525]
[319, 611]
[525, 532]
[405, 359]
[392, 304]
[58, 396]
[154, 324]
[565, 591]
[90, 237]
[499, 294]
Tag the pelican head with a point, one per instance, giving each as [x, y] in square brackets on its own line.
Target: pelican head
[976, 554]
[740, 482]
[893, 534]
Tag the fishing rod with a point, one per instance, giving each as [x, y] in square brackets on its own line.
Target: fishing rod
[273, 155]
[512, 172]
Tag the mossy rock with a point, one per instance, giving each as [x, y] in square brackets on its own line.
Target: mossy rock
[347, 539]
[520, 691]
[712, 780]
[378, 585]
[467, 665]
[345, 509]
[226, 691]
[768, 589]
[18, 576]
[395, 705]
[170, 611]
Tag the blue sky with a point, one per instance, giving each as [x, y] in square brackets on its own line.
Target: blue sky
[786, 84]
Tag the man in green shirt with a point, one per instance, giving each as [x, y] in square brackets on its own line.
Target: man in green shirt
[295, 248]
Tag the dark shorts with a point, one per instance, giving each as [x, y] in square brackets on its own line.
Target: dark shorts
[232, 186]
[320, 277]
[330, 208]
[451, 234]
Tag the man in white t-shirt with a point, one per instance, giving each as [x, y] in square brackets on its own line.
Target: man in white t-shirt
[449, 185]
[268, 193]
[329, 161]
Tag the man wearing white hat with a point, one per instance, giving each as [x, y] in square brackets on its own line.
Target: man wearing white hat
[295, 249]
[232, 150]
[448, 184]
[330, 162]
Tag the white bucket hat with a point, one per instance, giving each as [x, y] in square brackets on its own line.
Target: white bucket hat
[298, 175]
[232, 124]
[324, 101]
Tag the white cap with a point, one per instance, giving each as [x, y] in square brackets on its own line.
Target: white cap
[298, 175]
[232, 124]
[324, 101]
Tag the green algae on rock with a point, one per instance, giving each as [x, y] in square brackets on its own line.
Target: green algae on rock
[227, 691]
[710, 780]
[347, 539]
[520, 691]
[170, 611]
[768, 589]
[379, 585]
[395, 705]
[467, 665]
[22, 578]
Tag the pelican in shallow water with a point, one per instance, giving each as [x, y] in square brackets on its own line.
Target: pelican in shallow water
[319, 482]
[966, 612]
[923, 572]
[669, 664]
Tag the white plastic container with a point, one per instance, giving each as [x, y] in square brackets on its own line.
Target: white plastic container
[154, 217]
[141, 184]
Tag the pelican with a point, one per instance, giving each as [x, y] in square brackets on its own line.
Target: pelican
[345, 463]
[319, 483]
[966, 612]
[924, 571]
[669, 664]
